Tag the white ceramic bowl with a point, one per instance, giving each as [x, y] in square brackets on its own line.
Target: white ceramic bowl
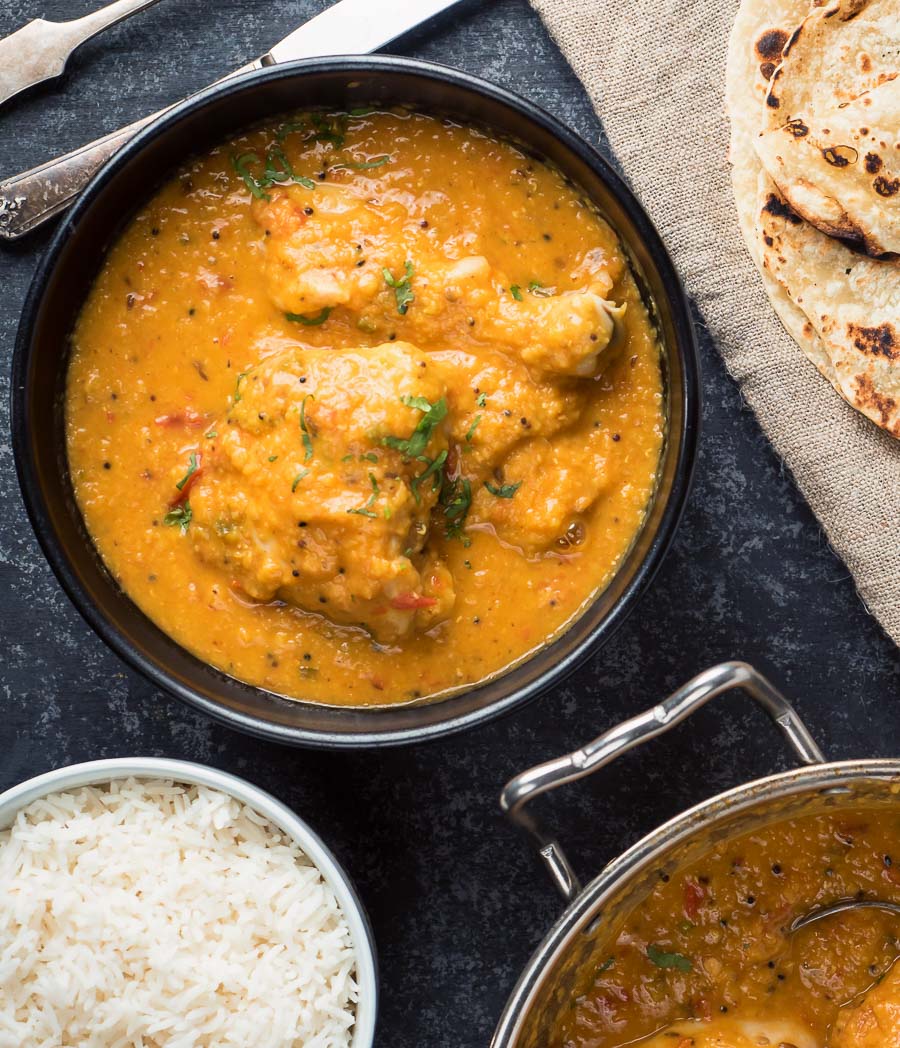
[96, 773]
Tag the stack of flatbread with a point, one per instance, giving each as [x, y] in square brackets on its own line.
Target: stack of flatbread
[814, 99]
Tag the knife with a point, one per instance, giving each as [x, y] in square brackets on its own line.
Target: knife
[348, 27]
[39, 50]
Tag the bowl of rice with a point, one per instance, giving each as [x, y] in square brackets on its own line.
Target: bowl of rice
[152, 903]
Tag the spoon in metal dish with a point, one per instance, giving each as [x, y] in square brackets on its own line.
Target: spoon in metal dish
[839, 907]
[39, 50]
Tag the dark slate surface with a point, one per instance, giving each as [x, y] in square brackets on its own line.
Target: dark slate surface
[456, 902]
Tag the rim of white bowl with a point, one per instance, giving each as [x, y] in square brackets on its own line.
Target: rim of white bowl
[98, 772]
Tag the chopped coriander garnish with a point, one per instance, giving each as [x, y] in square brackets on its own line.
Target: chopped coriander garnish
[319, 318]
[179, 516]
[538, 289]
[303, 473]
[348, 457]
[431, 470]
[370, 456]
[278, 170]
[273, 458]
[607, 964]
[288, 129]
[472, 429]
[516, 292]
[402, 288]
[307, 439]
[212, 433]
[668, 960]
[505, 491]
[481, 399]
[256, 186]
[415, 445]
[237, 386]
[366, 510]
[456, 498]
[327, 131]
[363, 111]
[193, 466]
[365, 166]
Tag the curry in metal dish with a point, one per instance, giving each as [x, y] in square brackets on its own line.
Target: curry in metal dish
[364, 407]
[709, 960]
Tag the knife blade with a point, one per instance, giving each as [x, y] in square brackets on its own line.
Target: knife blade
[348, 27]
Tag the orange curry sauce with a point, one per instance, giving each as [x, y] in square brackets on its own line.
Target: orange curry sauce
[712, 944]
[198, 292]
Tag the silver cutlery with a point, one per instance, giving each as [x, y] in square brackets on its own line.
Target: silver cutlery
[349, 27]
[39, 50]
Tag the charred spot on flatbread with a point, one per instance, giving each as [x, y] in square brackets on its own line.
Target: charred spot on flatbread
[873, 162]
[796, 127]
[882, 404]
[886, 187]
[770, 45]
[779, 209]
[876, 341]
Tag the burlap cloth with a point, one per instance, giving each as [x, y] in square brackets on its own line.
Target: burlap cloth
[655, 71]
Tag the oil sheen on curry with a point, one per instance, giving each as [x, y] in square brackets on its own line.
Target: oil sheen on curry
[709, 960]
[365, 407]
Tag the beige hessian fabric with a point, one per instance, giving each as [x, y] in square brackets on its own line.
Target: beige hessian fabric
[655, 71]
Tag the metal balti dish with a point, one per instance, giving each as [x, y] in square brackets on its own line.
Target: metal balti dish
[98, 773]
[581, 937]
[62, 282]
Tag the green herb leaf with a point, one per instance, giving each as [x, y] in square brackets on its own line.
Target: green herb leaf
[307, 439]
[179, 516]
[505, 491]
[432, 469]
[278, 167]
[607, 964]
[212, 433]
[481, 399]
[472, 429]
[256, 186]
[538, 289]
[370, 456]
[193, 466]
[290, 128]
[516, 292]
[364, 166]
[366, 511]
[273, 458]
[303, 473]
[237, 386]
[456, 499]
[348, 457]
[319, 318]
[402, 288]
[327, 130]
[363, 111]
[668, 960]
[415, 445]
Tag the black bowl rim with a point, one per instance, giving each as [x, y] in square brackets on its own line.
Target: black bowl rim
[685, 345]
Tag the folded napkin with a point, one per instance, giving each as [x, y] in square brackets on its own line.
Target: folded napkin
[655, 73]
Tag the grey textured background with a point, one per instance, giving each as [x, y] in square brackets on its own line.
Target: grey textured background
[456, 901]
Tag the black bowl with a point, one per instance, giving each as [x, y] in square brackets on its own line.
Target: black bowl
[62, 282]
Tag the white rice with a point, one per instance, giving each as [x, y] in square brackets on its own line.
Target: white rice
[157, 915]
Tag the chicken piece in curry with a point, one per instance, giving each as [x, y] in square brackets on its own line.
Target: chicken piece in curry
[357, 424]
[710, 960]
